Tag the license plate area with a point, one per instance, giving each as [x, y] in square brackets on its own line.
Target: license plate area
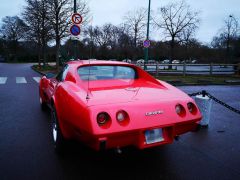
[154, 136]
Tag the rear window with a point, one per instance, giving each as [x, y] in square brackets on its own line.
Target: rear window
[106, 72]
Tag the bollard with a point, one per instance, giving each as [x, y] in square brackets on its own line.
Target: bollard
[205, 105]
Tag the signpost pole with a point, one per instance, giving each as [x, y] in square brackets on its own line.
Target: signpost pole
[75, 41]
[75, 6]
[146, 49]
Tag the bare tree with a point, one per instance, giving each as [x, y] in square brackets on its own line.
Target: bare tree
[36, 14]
[186, 38]
[187, 34]
[176, 19]
[219, 42]
[107, 35]
[227, 35]
[60, 13]
[13, 29]
[136, 23]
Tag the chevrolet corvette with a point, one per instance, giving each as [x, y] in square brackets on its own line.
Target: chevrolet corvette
[107, 104]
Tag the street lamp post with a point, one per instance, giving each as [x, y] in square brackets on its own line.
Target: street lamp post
[230, 25]
[146, 48]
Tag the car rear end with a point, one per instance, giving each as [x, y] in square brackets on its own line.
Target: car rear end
[128, 107]
[142, 125]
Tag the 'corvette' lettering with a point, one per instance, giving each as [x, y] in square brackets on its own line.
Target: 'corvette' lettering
[153, 113]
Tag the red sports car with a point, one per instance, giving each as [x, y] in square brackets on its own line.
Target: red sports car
[108, 104]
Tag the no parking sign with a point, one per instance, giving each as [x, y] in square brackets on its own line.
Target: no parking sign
[146, 43]
[75, 30]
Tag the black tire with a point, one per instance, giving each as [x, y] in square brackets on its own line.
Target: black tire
[198, 128]
[58, 139]
[43, 104]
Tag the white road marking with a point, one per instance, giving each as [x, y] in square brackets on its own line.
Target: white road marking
[3, 80]
[20, 80]
[37, 79]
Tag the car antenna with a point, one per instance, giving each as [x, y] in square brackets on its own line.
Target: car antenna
[87, 98]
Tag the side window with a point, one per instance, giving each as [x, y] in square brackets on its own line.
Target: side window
[63, 73]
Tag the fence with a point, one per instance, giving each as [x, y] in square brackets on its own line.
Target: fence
[184, 69]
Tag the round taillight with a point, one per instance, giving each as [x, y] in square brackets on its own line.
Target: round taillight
[102, 118]
[192, 108]
[180, 110]
[122, 117]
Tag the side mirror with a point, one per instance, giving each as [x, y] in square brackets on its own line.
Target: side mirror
[50, 75]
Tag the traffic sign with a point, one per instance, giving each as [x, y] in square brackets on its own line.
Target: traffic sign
[77, 18]
[75, 30]
[146, 43]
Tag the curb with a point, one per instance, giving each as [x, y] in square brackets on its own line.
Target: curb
[39, 72]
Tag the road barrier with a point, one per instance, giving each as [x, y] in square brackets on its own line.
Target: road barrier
[185, 69]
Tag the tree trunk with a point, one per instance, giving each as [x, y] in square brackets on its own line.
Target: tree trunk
[39, 54]
[57, 52]
[15, 47]
[44, 51]
[135, 40]
[171, 51]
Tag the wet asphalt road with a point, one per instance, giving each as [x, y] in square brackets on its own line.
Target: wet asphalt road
[26, 149]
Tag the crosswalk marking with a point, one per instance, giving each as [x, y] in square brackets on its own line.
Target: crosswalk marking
[20, 80]
[37, 79]
[3, 80]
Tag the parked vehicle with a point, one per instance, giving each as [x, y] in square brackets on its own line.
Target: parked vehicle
[166, 61]
[194, 61]
[127, 60]
[140, 61]
[151, 61]
[107, 104]
[176, 61]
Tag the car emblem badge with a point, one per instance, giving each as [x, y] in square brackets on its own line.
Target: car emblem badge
[153, 113]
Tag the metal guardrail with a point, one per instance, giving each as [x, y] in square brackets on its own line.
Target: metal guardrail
[161, 68]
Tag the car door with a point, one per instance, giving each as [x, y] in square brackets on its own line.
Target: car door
[53, 82]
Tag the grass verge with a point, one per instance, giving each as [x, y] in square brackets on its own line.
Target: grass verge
[45, 69]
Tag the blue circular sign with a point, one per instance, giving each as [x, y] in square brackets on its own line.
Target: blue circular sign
[75, 30]
[146, 43]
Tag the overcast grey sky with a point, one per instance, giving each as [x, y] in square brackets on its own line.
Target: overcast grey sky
[212, 14]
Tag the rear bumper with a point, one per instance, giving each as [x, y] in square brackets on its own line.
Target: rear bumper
[137, 137]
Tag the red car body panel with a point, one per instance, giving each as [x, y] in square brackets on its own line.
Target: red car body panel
[77, 114]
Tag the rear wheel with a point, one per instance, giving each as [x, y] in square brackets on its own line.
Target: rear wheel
[58, 138]
[42, 103]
